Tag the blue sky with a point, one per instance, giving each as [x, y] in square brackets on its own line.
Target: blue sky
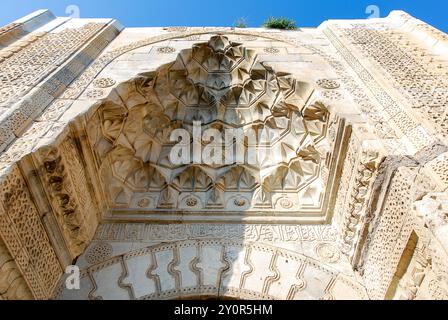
[307, 13]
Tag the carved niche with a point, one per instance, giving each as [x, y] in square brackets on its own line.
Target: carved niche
[219, 85]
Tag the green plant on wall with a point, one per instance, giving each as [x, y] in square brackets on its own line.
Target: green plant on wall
[280, 23]
[241, 23]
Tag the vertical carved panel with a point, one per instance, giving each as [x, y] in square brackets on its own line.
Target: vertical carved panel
[67, 189]
[26, 237]
[409, 67]
[41, 55]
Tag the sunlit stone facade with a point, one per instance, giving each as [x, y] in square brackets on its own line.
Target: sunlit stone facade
[351, 203]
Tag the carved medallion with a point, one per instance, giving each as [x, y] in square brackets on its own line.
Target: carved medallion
[239, 202]
[327, 253]
[191, 202]
[437, 290]
[247, 38]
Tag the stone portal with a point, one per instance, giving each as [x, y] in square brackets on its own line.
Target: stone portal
[178, 162]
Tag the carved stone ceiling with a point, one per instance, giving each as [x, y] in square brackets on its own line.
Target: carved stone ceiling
[277, 169]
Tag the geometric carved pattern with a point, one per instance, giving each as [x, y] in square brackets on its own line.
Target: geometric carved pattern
[391, 236]
[327, 252]
[63, 176]
[25, 68]
[50, 197]
[103, 83]
[439, 168]
[221, 85]
[99, 252]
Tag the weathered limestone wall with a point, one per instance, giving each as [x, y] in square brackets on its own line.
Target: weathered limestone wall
[402, 63]
[382, 233]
